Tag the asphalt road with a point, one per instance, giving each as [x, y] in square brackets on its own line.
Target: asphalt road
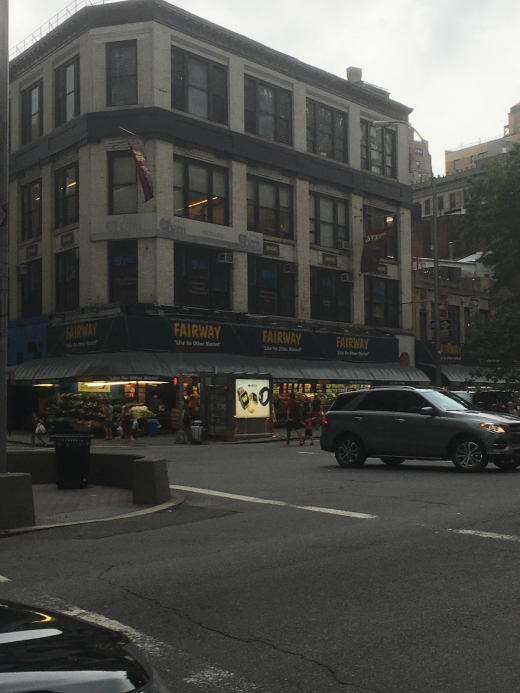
[315, 579]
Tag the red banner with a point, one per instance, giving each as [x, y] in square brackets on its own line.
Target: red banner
[143, 171]
[373, 248]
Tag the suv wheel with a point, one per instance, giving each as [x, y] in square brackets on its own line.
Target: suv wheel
[469, 455]
[506, 466]
[350, 452]
[393, 461]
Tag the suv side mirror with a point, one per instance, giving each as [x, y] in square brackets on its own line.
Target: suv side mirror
[427, 411]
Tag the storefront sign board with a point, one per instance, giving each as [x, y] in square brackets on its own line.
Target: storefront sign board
[151, 225]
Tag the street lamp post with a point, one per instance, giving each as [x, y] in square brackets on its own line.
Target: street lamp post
[436, 313]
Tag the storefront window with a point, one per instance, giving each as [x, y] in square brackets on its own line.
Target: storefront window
[202, 278]
[271, 287]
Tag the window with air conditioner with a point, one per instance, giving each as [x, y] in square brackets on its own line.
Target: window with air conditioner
[201, 278]
[272, 289]
[330, 295]
[328, 221]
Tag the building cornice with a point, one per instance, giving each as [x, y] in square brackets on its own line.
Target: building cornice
[170, 126]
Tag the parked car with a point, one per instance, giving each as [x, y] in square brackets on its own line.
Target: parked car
[399, 423]
[43, 651]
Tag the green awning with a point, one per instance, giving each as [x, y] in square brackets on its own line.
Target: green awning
[143, 365]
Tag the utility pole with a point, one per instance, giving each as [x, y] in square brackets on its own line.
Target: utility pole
[4, 236]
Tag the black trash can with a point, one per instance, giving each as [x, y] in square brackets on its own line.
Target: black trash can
[72, 455]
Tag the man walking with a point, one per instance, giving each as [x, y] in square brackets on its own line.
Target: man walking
[293, 419]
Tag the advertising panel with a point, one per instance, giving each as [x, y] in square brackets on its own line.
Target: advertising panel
[253, 398]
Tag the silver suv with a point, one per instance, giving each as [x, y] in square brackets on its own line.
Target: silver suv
[396, 423]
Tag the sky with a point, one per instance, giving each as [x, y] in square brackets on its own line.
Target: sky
[455, 62]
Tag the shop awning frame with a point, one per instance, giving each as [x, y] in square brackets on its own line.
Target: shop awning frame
[144, 365]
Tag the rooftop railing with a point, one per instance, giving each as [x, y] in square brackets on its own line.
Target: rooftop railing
[53, 23]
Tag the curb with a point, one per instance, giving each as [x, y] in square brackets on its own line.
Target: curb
[177, 499]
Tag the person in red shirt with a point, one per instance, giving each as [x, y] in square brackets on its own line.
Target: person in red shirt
[309, 424]
[293, 419]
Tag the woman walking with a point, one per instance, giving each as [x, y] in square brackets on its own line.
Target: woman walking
[37, 430]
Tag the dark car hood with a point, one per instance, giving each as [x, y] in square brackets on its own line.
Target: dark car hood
[48, 652]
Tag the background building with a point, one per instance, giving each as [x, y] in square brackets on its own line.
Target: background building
[419, 159]
[267, 174]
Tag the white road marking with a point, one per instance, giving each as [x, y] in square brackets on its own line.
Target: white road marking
[265, 501]
[332, 511]
[301, 452]
[486, 535]
[145, 642]
[4, 579]
[219, 680]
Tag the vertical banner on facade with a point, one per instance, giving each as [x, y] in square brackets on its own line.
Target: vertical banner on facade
[145, 177]
[373, 247]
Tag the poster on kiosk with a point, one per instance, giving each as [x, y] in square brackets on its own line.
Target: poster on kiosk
[253, 398]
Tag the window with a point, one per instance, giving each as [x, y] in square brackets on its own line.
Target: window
[31, 289]
[427, 208]
[200, 191]
[440, 203]
[66, 92]
[122, 183]
[328, 221]
[409, 402]
[454, 318]
[121, 73]
[453, 200]
[419, 151]
[456, 165]
[423, 325]
[31, 196]
[67, 280]
[381, 302]
[199, 86]
[268, 111]
[201, 281]
[467, 318]
[483, 314]
[330, 296]
[271, 287]
[382, 400]
[269, 208]
[378, 150]
[326, 131]
[32, 113]
[417, 164]
[378, 220]
[123, 265]
[66, 192]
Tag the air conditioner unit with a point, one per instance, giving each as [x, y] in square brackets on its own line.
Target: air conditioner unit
[344, 245]
[225, 258]
[23, 270]
[346, 277]
[290, 268]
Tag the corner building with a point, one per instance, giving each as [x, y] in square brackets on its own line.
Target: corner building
[267, 175]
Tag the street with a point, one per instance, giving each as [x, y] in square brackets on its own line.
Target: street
[283, 572]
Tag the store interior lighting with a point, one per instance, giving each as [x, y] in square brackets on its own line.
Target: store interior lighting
[126, 382]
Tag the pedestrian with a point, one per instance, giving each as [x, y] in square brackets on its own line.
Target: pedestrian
[309, 424]
[126, 423]
[501, 406]
[107, 423]
[293, 419]
[316, 410]
[512, 408]
[306, 409]
[37, 430]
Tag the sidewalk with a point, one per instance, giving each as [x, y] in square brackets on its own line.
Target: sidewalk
[24, 438]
